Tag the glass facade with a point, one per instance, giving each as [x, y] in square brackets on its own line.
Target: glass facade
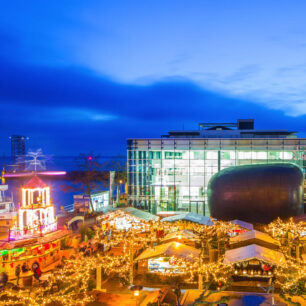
[173, 174]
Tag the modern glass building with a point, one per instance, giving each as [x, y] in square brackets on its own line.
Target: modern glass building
[171, 173]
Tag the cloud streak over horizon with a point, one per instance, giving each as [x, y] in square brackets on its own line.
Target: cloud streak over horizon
[57, 105]
[72, 74]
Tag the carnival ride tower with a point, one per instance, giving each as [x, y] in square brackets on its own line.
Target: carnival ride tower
[36, 212]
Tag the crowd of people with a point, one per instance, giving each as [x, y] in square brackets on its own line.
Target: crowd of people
[21, 271]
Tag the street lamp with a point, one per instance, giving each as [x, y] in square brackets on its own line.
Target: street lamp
[270, 288]
[136, 291]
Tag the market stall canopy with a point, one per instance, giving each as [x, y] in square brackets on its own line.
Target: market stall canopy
[189, 216]
[164, 295]
[47, 238]
[183, 234]
[140, 214]
[254, 235]
[254, 251]
[169, 249]
[243, 224]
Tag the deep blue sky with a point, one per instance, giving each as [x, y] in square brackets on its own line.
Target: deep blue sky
[79, 76]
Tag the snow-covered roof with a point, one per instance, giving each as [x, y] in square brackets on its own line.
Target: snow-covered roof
[185, 234]
[189, 216]
[254, 251]
[243, 224]
[140, 214]
[254, 235]
[169, 249]
[46, 238]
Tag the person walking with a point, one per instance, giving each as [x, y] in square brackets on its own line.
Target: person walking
[17, 274]
[24, 267]
[36, 271]
[3, 280]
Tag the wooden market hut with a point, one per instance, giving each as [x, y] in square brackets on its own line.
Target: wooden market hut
[253, 262]
[254, 237]
[148, 259]
[140, 214]
[242, 225]
[190, 217]
[186, 237]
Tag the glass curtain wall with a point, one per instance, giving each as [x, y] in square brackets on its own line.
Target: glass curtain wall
[173, 174]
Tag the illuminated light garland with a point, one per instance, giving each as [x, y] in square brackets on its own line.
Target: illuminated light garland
[76, 273]
[281, 230]
[36, 213]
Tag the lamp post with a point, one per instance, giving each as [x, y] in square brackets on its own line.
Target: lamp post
[270, 288]
[131, 260]
[136, 294]
[98, 277]
[200, 281]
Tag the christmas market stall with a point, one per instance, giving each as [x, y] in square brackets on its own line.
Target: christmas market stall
[165, 258]
[186, 237]
[189, 217]
[253, 262]
[254, 237]
[140, 214]
[125, 219]
[34, 237]
[239, 227]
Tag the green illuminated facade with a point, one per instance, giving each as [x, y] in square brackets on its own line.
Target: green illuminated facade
[172, 173]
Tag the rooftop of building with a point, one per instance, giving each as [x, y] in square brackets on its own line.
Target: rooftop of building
[243, 128]
[35, 182]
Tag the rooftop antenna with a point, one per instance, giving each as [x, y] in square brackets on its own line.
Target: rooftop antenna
[36, 159]
[3, 172]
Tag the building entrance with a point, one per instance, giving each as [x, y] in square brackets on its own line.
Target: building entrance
[197, 207]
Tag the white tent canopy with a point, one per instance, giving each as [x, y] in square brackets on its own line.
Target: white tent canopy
[254, 235]
[243, 224]
[184, 234]
[189, 216]
[254, 251]
[173, 248]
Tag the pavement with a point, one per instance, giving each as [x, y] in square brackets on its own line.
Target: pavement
[237, 298]
[111, 299]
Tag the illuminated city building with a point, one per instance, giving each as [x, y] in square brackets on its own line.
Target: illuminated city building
[36, 212]
[18, 150]
[171, 173]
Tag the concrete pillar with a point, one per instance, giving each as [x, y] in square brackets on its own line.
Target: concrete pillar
[200, 283]
[99, 277]
[131, 262]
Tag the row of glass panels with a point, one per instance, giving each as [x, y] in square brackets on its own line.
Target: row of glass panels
[177, 179]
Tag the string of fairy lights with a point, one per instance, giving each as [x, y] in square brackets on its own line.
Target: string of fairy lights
[69, 282]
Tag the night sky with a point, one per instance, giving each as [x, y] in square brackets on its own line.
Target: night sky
[81, 76]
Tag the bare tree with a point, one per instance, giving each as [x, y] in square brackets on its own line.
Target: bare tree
[88, 178]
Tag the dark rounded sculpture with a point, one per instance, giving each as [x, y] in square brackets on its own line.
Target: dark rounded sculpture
[256, 193]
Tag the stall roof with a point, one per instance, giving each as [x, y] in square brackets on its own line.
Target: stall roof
[158, 296]
[47, 238]
[189, 216]
[186, 234]
[254, 235]
[254, 251]
[243, 224]
[140, 214]
[35, 182]
[170, 249]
